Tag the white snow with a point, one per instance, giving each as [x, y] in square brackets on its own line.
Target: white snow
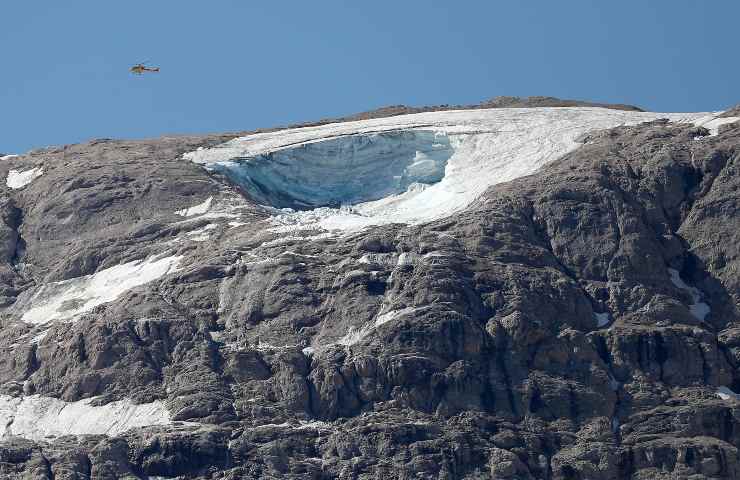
[199, 209]
[7, 157]
[67, 299]
[404, 258]
[17, 179]
[201, 234]
[726, 394]
[392, 315]
[38, 337]
[354, 335]
[292, 238]
[602, 319]
[38, 418]
[406, 169]
[698, 309]
[713, 121]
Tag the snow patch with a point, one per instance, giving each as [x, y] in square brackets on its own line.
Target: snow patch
[294, 238]
[40, 418]
[602, 319]
[354, 335]
[726, 394]
[201, 234]
[199, 209]
[392, 315]
[404, 169]
[38, 337]
[67, 299]
[7, 157]
[698, 309]
[17, 179]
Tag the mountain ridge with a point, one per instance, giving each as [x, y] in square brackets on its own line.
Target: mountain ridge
[551, 328]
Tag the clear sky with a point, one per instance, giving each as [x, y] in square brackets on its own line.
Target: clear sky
[230, 65]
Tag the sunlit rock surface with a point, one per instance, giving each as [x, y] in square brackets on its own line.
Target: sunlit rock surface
[515, 293]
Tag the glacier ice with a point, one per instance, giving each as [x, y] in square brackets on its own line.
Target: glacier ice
[404, 169]
[343, 170]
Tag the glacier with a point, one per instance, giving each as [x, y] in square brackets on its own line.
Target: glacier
[404, 169]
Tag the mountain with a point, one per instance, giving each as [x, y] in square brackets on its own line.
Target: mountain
[522, 289]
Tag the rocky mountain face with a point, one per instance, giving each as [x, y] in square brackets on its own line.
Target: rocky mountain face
[580, 322]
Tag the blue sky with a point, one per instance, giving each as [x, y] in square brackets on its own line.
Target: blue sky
[231, 65]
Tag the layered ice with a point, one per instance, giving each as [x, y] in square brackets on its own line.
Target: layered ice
[342, 171]
[67, 299]
[405, 169]
[42, 418]
[17, 179]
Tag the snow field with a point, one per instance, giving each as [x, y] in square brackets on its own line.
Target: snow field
[39, 418]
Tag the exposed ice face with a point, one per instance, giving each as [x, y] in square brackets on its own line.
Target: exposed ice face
[343, 170]
[388, 169]
[41, 418]
[67, 299]
[17, 179]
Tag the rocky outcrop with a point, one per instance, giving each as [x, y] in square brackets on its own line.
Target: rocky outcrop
[579, 323]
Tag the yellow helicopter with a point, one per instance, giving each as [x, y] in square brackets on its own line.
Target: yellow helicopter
[141, 68]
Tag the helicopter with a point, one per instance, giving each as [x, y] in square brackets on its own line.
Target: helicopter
[140, 68]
